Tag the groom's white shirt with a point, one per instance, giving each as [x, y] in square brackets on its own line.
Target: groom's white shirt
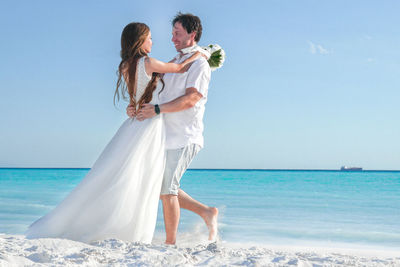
[186, 127]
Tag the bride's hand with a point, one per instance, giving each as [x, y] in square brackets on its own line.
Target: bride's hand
[205, 56]
[198, 54]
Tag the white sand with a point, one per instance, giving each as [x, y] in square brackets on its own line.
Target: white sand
[15, 250]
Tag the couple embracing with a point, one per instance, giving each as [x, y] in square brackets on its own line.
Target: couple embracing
[147, 157]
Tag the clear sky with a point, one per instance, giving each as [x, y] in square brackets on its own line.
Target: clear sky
[306, 84]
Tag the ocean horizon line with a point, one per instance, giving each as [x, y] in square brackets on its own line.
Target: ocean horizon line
[218, 169]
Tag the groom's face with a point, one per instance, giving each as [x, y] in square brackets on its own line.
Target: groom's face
[181, 38]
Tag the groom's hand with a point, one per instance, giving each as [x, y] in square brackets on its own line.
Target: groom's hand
[130, 111]
[147, 111]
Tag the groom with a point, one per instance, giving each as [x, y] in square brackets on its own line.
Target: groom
[183, 103]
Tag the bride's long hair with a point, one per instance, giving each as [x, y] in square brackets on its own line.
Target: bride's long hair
[132, 39]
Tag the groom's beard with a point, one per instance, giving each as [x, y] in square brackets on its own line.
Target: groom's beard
[179, 47]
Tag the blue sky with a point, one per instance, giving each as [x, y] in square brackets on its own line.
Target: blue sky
[306, 84]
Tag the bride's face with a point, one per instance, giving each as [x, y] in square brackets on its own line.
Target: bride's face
[146, 46]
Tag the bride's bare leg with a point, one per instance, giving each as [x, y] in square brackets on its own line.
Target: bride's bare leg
[209, 214]
[171, 213]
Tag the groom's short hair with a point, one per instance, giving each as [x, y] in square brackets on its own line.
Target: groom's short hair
[190, 23]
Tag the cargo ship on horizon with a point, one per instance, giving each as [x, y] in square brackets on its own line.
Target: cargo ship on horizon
[346, 168]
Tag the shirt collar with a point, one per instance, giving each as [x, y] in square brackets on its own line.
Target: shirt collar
[192, 49]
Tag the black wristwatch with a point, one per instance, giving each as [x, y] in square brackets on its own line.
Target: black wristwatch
[157, 109]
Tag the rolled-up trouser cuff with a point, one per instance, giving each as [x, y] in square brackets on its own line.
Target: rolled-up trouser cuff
[177, 161]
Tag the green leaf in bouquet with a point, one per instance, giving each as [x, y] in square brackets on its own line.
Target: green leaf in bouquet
[215, 59]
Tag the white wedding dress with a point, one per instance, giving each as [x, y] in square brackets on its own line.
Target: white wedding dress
[119, 196]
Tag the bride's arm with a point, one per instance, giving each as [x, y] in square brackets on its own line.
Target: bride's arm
[154, 65]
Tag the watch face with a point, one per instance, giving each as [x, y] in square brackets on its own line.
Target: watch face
[157, 109]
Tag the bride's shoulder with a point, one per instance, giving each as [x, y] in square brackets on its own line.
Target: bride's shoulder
[149, 60]
[151, 63]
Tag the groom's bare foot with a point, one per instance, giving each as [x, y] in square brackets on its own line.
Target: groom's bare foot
[211, 220]
[169, 242]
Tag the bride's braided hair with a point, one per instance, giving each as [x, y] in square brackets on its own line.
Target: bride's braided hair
[132, 39]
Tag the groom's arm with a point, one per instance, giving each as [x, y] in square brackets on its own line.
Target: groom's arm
[188, 100]
[197, 86]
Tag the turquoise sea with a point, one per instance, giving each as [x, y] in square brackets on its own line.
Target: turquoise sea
[285, 207]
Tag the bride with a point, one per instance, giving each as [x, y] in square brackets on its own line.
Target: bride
[119, 196]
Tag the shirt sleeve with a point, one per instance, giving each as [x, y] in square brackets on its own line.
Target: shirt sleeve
[199, 76]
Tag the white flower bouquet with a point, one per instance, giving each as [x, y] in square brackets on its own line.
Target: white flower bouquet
[217, 56]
